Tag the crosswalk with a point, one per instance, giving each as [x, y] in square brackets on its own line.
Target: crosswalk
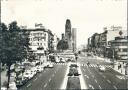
[96, 66]
[85, 65]
[60, 63]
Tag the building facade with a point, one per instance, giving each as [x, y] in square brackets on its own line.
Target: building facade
[68, 33]
[74, 36]
[119, 46]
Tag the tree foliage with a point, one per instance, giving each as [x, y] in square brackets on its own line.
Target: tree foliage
[14, 45]
[62, 45]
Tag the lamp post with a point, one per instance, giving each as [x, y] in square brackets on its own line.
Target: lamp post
[113, 56]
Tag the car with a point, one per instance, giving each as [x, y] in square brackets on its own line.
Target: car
[3, 88]
[12, 86]
[50, 65]
[33, 71]
[74, 65]
[20, 81]
[39, 69]
[102, 68]
[28, 74]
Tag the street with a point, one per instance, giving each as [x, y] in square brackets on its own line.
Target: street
[53, 78]
[49, 79]
[96, 79]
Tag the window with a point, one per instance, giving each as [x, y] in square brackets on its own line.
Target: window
[125, 50]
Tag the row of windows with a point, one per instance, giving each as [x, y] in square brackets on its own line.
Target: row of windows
[38, 34]
[38, 39]
[120, 44]
[39, 44]
[123, 50]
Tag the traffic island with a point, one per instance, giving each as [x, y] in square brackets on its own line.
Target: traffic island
[73, 83]
[73, 78]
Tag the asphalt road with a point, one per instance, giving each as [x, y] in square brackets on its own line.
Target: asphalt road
[52, 78]
[49, 79]
[95, 79]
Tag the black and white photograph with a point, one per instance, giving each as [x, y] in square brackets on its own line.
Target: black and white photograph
[63, 45]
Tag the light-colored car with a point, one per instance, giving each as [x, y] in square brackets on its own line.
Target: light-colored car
[28, 74]
[3, 88]
[102, 68]
[50, 65]
[39, 69]
[34, 70]
[12, 86]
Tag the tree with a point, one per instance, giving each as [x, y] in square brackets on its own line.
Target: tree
[62, 45]
[14, 46]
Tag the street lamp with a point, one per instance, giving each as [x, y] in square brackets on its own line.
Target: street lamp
[113, 56]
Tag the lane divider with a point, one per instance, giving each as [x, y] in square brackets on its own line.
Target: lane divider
[81, 77]
[64, 84]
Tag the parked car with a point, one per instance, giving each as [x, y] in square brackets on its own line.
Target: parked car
[12, 86]
[28, 74]
[20, 81]
[50, 65]
[102, 68]
[39, 69]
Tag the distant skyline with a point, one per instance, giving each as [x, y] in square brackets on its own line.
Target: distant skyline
[87, 16]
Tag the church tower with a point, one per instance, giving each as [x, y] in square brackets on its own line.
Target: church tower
[68, 34]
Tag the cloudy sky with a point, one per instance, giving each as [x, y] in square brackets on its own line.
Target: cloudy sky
[88, 16]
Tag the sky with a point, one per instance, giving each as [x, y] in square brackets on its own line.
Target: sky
[88, 16]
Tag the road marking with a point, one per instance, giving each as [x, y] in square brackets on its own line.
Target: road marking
[100, 87]
[55, 72]
[29, 85]
[65, 80]
[104, 76]
[91, 86]
[86, 76]
[35, 79]
[115, 87]
[53, 75]
[45, 85]
[93, 76]
[81, 77]
[109, 81]
[49, 79]
[95, 80]
[83, 69]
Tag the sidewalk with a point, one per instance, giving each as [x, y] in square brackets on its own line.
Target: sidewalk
[103, 59]
[3, 77]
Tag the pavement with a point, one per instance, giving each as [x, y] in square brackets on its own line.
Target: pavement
[3, 77]
[96, 79]
[90, 78]
[49, 79]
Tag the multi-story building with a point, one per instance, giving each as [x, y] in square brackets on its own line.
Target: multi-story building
[55, 42]
[38, 39]
[74, 39]
[119, 47]
[68, 33]
[109, 34]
